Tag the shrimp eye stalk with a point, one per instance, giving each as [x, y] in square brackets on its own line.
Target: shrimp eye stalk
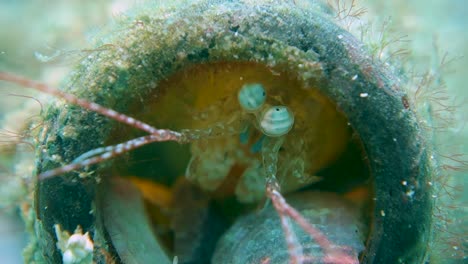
[276, 121]
[252, 97]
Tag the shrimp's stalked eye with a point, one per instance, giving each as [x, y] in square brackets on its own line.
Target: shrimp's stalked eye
[252, 97]
[276, 121]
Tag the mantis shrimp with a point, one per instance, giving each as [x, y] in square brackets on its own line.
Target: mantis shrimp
[255, 115]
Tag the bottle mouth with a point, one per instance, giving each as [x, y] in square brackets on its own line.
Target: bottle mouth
[354, 133]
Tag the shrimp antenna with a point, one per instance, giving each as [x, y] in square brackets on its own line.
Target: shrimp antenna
[89, 158]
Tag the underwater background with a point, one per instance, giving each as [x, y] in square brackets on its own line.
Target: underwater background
[37, 39]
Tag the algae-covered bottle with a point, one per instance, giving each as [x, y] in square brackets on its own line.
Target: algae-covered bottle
[248, 94]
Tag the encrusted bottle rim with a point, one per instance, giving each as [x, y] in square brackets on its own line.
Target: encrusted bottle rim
[302, 42]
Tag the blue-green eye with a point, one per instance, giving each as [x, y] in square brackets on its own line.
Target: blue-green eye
[252, 97]
[276, 121]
